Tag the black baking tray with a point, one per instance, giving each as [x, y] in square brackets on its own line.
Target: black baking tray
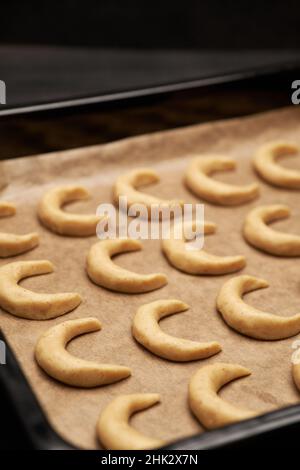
[279, 427]
[43, 78]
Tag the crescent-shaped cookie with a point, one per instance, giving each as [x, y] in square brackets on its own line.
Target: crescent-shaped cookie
[211, 410]
[258, 234]
[11, 244]
[57, 220]
[249, 320]
[265, 163]
[198, 180]
[56, 361]
[127, 184]
[105, 273]
[114, 431]
[25, 303]
[199, 261]
[147, 332]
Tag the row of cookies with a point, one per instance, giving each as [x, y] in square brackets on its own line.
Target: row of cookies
[255, 230]
[109, 253]
[197, 180]
[115, 432]
[197, 176]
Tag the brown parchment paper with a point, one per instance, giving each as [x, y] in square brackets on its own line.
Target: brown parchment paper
[73, 412]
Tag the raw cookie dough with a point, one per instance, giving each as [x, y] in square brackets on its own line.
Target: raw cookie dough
[56, 361]
[64, 223]
[199, 262]
[104, 272]
[211, 410]
[265, 163]
[113, 429]
[7, 209]
[11, 244]
[147, 332]
[258, 234]
[296, 368]
[25, 303]
[198, 180]
[127, 183]
[249, 320]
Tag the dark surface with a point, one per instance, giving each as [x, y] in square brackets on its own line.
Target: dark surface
[42, 74]
[23, 424]
[215, 24]
[46, 132]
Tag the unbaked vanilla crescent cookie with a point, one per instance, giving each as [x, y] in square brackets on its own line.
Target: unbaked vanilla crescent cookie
[296, 368]
[211, 410]
[56, 361]
[105, 273]
[25, 303]
[258, 234]
[198, 180]
[127, 184]
[7, 209]
[265, 163]
[114, 430]
[249, 320]
[147, 332]
[57, 220]
[11, 244]
[199, 261]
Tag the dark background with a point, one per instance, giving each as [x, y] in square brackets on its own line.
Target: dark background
[59, 50]
[190, 24]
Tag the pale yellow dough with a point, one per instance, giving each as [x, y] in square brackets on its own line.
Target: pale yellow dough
[198, 180]
[56, 361]
[147, 332]
[265, 163]
[7, 209]
[199, 261]
[104, 272]
[64, 223]
[11, 244]
[249, 320]
[211, 410]
[258, 234]
[114, 431]
[27, 304]
[296, 369]
[127, 183]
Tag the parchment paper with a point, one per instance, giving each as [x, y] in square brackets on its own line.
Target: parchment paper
[74, 412]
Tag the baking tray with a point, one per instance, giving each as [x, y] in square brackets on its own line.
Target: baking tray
[281, 425]
[210, 68]
[278, 426]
